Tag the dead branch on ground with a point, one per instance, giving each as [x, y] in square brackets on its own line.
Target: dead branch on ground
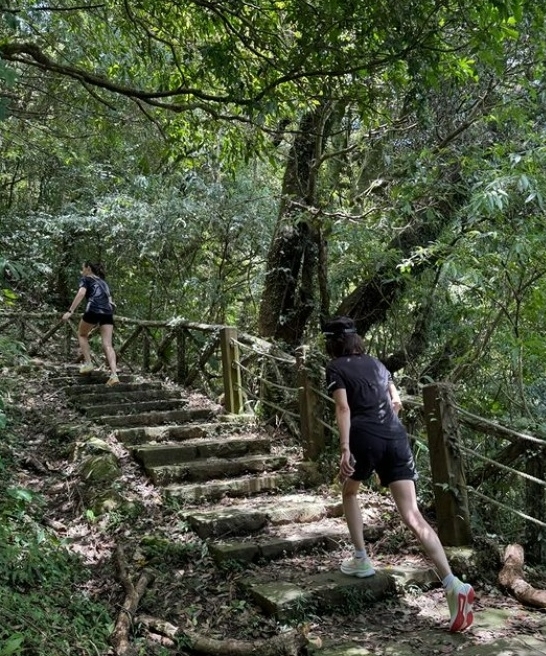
[292, 643]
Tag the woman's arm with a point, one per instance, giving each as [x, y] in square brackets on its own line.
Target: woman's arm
[343, 420]
[74, 305]
[395, 398]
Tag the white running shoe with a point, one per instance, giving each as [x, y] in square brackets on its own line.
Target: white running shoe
[360, 567]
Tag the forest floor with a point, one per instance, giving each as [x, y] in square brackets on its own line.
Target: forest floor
[192, 593]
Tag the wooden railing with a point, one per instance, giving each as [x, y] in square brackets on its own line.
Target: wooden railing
[462, 465]
[253, 375]
[242, 370]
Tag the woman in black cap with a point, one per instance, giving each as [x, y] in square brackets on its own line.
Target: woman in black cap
[372, 438]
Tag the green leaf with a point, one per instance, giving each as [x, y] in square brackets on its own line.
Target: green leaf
[12, 645]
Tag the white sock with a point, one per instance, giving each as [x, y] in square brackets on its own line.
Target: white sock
[360, 554]
[448, 581]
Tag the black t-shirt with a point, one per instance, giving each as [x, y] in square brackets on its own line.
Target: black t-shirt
[97, 294]
[366, 382]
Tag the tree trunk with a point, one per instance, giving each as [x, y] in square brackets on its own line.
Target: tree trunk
[289, 295]
[120, 638]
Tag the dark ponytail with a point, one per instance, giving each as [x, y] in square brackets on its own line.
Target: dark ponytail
[96, 268]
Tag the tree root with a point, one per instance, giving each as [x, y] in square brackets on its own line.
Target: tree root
[292, 643]
[511, 578]
[133, 594]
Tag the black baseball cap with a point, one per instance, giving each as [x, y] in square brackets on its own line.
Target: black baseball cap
[338, 326]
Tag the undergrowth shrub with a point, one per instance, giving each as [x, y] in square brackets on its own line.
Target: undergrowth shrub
[46, 604]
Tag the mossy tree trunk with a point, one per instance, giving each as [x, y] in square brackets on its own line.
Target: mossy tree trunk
[290, 291]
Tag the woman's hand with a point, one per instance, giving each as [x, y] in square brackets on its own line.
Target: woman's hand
[74, 305]
[346, 465]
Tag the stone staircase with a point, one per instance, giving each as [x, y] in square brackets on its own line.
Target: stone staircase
[242, 491]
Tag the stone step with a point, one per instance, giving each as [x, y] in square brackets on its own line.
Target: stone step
[319, 594]
[117, 395]
[282, 541]
[77, 390]
[157, 418]
[155, 455]
[243, 486]
[144, 434]
[245, 517]
[92, 379]
[300, 592]
[133, 408]
[215, 468]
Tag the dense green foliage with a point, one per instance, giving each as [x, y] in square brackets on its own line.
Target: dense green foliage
[173, 245]
[291, 160]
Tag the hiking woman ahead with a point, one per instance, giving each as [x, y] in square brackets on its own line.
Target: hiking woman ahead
[99, 311]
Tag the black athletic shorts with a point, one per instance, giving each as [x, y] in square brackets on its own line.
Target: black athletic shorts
[100, 319]
[392, 460]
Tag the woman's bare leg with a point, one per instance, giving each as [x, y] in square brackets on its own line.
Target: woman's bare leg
[106, 332]
[84, 329]
[353, 513]
[403, 493]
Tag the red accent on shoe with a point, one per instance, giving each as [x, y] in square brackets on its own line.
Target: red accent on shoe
[464, 618]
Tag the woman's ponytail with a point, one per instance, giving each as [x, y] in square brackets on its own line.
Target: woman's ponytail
[96, 268]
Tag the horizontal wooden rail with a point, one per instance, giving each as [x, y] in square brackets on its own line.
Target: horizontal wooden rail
[493, 428]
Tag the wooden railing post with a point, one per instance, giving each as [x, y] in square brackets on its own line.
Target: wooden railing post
[181, 371]
[535, 505]
[233, 397]
[68, 340]
[145, 351]
[312, 430]
[447, 468]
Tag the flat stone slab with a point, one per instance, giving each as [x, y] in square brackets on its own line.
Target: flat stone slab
[420, 577]
[117, 407]
[156, 418]
[132, 393]
[214, 468]
[233, 487]
[301, 538]
[517, 646]
[92, 379]
[322, 593]
[142, 434]
[154, 455]
[353, 649]
[243, 418]
[248, 517]
[85, 390]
